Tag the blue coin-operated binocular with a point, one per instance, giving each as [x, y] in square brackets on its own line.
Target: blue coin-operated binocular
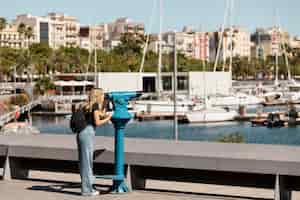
[120, 118]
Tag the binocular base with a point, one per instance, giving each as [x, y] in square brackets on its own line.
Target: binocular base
[119, 187]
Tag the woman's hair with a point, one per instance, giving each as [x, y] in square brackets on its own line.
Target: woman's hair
[95, 96]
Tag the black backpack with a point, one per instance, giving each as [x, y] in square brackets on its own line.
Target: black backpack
[78, 120]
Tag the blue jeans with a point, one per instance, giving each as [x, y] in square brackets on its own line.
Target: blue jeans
[85, 152]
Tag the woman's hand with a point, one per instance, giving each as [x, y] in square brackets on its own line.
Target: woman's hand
[109, 115]
[98, 120]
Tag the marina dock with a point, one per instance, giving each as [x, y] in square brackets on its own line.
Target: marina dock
[158, 116]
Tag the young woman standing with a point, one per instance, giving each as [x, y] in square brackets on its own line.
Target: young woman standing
[95, 116]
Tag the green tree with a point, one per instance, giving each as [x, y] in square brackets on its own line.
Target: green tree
[130, 50]
[3, 23]
[42, 85]
[8, 60]
[232, 138]
[26, 33]
[21, 30]
[41, 54]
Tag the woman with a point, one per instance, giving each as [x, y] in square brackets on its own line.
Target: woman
[95, 116]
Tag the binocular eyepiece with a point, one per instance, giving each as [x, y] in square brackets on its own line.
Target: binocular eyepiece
[120, 100]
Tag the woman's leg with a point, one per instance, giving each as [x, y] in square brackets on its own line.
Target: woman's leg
[85, 149]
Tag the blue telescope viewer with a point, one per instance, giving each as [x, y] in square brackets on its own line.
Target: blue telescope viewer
[120, 118]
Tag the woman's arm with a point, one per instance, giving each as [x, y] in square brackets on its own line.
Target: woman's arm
[99, 121]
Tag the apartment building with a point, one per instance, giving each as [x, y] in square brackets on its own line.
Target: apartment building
[124, 25]
[278, 38]
[261, 44]
[10, 37]
[268, 42]
[184, 42]
[55, 29]
[201, 46]
[92, 37]
[120, 26]
[295, 42]
[64, 30]
[188, 42]
[240, 41]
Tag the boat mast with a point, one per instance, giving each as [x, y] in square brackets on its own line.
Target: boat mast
[141, 70]
[95, 59]
[276, 60]
[284, 51]
[231, 35]
[175, 89]
[220, 42]
[277, 34]
[158, 88]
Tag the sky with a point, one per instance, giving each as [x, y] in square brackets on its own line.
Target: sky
[200, 14]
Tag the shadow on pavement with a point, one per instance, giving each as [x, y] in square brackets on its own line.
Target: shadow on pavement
[65, 187]
[216, 196]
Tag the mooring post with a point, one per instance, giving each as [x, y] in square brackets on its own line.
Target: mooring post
[6, 168]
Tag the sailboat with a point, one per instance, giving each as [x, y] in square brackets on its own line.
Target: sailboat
[290, 91]
[161, 103]
[232, 99]
[211, 114]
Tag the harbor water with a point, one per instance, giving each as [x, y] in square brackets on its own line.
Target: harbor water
[193, 132]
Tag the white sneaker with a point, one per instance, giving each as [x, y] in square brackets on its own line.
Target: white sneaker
[94, 193]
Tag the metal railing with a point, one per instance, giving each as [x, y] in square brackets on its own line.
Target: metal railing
[7, 117]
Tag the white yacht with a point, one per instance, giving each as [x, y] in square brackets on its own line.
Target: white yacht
[165, 106]
[211, 114]
[293, 89]
[235, 100]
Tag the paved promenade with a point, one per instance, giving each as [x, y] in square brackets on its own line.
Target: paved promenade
[59, 186]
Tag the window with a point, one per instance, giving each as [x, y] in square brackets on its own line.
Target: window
[182, 83]
[167, 83]
[44, 32]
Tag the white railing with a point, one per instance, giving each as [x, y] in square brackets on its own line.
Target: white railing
[7, 117]
[58, 98]
[13, 85]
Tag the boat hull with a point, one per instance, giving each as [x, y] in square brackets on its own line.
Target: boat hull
[207, 116]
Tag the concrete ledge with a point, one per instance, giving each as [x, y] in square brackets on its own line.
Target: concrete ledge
[266, 166]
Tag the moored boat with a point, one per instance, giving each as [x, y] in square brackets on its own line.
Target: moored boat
[208, 115]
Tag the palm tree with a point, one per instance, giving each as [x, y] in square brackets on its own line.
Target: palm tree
[2, 26]
[26, 34]
[21, 30]
[2, 23]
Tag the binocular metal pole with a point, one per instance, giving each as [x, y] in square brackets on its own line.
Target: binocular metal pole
[119, 185]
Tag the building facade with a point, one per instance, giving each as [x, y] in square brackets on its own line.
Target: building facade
[10, 37]
[64, 30]
[201, 46]
[269, 42]
[55, 29]
[124, 25]
[92, 37]
[239, 43]
[295, 42]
